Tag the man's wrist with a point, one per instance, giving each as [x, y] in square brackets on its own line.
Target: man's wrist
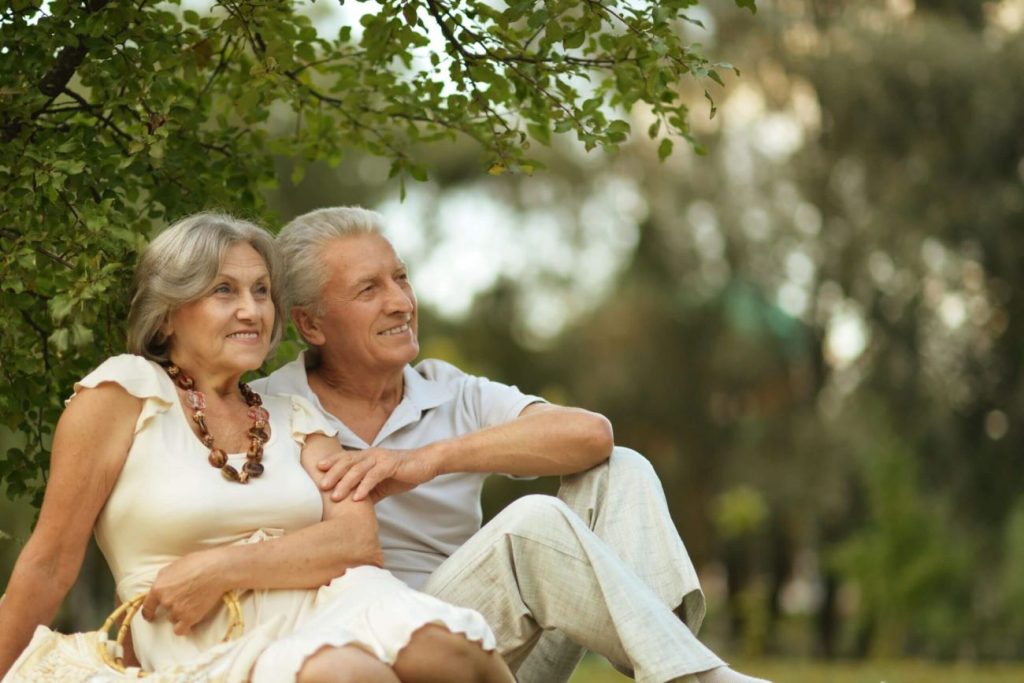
[438, 457]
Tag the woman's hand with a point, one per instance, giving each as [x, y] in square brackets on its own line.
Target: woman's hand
[188, 589]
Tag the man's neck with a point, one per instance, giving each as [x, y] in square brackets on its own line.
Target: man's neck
[364, 403]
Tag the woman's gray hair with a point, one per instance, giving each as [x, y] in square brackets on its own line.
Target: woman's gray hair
[303, 241]
[179, 266]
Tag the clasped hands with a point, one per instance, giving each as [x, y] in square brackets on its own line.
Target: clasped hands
[374, 473]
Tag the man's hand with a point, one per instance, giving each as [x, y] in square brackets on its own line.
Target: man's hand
[374, 472]
[188, 589]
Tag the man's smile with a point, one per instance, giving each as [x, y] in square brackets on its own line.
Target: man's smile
[404, 327]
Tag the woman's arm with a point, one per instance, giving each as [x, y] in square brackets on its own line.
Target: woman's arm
[90, 446]
[192, 586]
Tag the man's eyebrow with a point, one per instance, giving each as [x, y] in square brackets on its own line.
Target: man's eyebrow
[365, 279]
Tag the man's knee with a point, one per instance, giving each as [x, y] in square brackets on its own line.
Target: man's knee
[627, 464]
[533, 511]
[626, 472]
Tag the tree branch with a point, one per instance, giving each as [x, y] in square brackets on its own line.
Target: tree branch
[39, 250]
[69, 59]
[43, 338]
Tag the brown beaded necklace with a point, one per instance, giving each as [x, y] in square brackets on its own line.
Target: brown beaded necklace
[258, 434]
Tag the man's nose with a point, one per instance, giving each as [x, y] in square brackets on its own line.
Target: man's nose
[400, 300]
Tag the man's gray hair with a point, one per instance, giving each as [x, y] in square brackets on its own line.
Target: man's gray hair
[302, 243]
[179, 266]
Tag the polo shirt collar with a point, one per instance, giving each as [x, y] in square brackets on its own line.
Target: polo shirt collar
[419, 395]
[422, 392]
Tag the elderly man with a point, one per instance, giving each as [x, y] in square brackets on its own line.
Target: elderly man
[600, 567]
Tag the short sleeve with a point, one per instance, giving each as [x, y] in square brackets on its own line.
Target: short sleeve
[496, 403]
[477, 402]
[138, 376]
[306, 420]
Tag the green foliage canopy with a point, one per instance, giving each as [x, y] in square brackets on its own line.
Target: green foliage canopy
[116, 117]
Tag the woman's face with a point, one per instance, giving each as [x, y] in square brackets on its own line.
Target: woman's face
[228, 329]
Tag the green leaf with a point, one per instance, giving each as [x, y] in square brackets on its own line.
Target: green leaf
[418, 172]
[711, 101]
[664, 149]
[60, 307]
[553, 32]
[538, 18]
[409, 12]
[574, 39]
[540, 132]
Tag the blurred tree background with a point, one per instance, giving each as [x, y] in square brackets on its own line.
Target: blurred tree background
[814, 331]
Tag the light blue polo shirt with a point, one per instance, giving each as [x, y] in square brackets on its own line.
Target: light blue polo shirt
[421, 528]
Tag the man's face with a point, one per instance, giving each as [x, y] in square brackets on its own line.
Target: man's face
[369, 309]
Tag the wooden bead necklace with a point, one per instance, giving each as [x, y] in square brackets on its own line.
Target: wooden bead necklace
[258, 434]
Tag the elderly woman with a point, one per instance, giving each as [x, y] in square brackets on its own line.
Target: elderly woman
[196, 486]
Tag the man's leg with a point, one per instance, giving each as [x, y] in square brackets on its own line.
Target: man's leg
[538, 566]
[623, 503]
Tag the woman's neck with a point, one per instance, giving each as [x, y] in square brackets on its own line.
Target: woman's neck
[211, 382]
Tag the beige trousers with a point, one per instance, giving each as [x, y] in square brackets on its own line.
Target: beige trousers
[600, 567]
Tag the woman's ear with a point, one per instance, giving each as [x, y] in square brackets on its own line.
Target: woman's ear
[167, 327]
[308, 326]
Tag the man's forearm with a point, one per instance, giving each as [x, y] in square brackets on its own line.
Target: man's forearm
[543, 440]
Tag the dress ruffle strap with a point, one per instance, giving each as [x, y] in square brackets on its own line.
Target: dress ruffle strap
[138, 376]
[307, 420]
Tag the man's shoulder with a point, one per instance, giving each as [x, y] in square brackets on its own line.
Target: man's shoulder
[290, 378]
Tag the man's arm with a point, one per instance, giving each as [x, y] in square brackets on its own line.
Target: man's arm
[544, 440]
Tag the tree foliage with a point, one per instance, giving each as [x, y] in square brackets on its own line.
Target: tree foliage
[116, 117]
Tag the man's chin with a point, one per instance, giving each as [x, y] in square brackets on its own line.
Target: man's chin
[408, 353]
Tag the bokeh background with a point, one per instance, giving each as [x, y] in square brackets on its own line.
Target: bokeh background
[814, 330]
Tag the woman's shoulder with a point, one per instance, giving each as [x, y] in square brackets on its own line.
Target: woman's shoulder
[140, 377]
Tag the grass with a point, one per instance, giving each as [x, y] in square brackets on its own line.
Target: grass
[596, 670]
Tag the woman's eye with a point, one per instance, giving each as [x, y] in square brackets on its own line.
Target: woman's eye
[222, 289]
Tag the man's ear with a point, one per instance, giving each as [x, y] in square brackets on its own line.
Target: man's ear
[308, 326]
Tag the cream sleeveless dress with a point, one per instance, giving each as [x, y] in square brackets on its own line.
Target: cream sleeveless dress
[168, 501]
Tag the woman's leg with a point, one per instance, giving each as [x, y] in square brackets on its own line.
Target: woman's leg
[436, 655]
[345, 665]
